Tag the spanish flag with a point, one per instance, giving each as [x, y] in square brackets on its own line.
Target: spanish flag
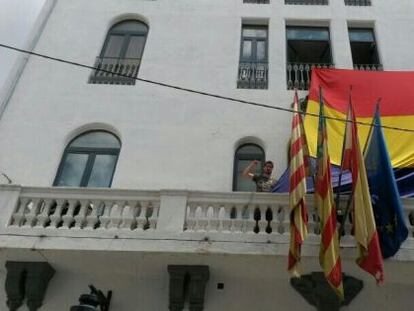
[329, 258]
[366, 235]
[397, 110]
[299, 166]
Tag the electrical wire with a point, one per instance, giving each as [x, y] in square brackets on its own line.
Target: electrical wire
[232, 99]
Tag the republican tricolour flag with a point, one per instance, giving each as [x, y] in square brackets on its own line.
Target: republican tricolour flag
[329, 258]
[370, 258]
[299, 163]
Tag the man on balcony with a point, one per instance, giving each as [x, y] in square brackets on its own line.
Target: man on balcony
[264, 181]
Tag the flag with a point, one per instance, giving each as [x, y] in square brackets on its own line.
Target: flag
[368, 86]
[388, 210]
[299, 163]
[365, 231]
[329, 258]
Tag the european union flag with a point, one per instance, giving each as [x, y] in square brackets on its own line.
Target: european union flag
[385, 198]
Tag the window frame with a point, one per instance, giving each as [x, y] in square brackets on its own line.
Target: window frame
[261, 156]
[254, 40]
[92, 152]
[316, 41]
[374, 42]
[126, 34]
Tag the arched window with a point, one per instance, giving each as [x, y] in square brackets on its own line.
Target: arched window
[243, 156]
[121, 54]
[89, 161]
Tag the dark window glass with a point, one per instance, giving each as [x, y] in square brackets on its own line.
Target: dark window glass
[125, 40]
[89, 161]
[363, 46]
[242, 158]
[308, 45]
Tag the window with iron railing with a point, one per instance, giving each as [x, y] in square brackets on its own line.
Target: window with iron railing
[253, 65]
[307, 2]
[358, 2]
[121, 54]
[257, 1]
[307, 48]
[364, 49]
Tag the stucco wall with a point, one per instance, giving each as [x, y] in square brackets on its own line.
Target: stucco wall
[172, 139]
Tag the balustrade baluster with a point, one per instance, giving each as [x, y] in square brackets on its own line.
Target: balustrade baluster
[409, 216]
[154, 216]
[91, 219]
[142, 221]
[116, 214]
[213, 221]
[226, 222]
[31, 216]
[201, 219]
[43, 217]
[190, 221]
[80, 216]
[68, 218]
[56, 216]
[238, 220]
[105, 218]
[128, 215]
[18, 216]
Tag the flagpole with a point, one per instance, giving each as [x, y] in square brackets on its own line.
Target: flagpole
[339, 184]
[372, 125]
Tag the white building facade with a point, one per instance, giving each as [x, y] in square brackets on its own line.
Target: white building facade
[114, 179]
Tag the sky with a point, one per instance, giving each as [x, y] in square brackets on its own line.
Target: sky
[16, 20]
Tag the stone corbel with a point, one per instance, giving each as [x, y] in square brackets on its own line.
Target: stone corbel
[27, 280]
[192, 278]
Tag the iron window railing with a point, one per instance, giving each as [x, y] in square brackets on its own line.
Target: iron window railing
[111, 70]
[368, 67]
[253, 75]
[307, 2]
[358, 2]
[257, 1]
[299, 74]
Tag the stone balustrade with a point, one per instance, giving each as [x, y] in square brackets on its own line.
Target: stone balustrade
[77, 208]
[183, 212]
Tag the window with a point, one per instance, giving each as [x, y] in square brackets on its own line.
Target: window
[89, 161]
[121, 54]
[257, 1]
[307, 47]
[358, 2]
[307, 2]
[253, 66]
[243, 156]
[364, 49]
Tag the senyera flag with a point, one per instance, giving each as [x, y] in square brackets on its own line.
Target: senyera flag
[329, 257]
[397, 110]
[299, 163]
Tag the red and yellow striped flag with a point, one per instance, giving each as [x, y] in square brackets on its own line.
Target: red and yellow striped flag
[366, 235]
[329, 258]
[299, 163]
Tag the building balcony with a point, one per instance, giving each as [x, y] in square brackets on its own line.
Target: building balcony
[110, 70]
[299, 74]
[253, 75]
[166, 221]
[358, 2]
[307, 2]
